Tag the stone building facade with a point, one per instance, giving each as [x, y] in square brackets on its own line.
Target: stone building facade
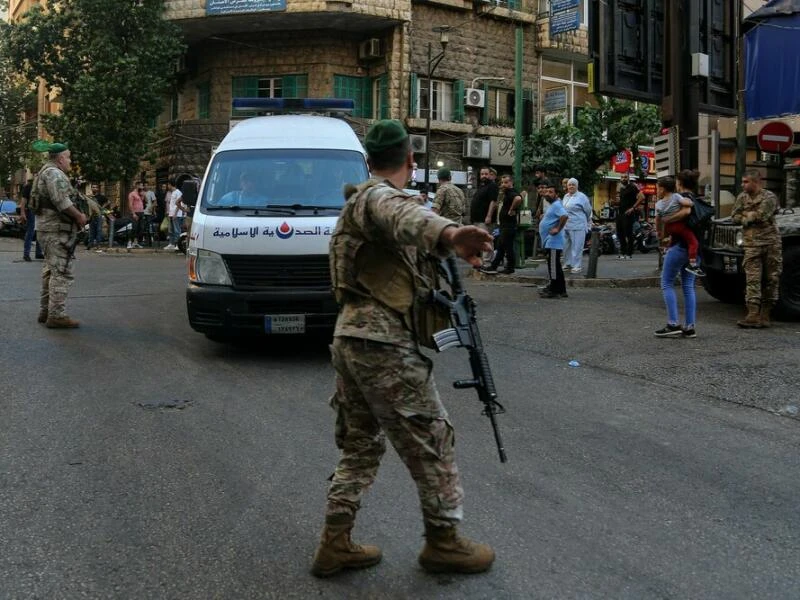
[376, 52]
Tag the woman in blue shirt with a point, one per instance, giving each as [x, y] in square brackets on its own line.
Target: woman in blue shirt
[579, 211]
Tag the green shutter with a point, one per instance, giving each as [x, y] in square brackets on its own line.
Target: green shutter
[458, 101]
[245, 87]
[203, 100]
[412, 96]
[384, 94]
[485, 109]
[294, 86]
[357, 89]
[366, 97]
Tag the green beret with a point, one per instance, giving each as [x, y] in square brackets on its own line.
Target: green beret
[385, 134]
[51, 147]
[443, 173]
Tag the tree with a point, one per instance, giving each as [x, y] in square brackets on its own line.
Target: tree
[17, 99]
[580, 150]
[110, 61]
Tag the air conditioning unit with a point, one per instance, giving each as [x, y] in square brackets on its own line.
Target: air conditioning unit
[476, 148]
[418, 143]
[371, 48]
[474, 97]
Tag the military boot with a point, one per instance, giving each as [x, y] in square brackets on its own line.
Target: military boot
[336, 551]
[42, 318]
[61, 323]
[447, 552]
[753, 318]
[766, 309]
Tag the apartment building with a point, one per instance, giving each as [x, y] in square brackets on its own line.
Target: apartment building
[377, 53]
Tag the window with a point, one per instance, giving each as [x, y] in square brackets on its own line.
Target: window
[257, 86]
[257, 179]
[500, 107]
[358, 89]
[203, 100]
[442, 107]
[563, 90]
[174, 107]
[583, 9]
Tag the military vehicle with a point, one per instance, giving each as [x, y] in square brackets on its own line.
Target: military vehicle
[722, 255]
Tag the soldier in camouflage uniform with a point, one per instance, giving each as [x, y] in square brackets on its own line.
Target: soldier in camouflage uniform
[381, 249]
[449, 201]
[754, 210]
[58, 221]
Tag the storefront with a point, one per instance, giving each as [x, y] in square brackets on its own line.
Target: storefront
[606, 193]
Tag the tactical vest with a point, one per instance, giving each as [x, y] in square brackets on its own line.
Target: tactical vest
[370, 270]
[39, 198]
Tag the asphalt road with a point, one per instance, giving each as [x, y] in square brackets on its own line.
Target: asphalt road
[139, 460]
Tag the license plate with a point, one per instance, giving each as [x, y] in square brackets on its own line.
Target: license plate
[285, 323]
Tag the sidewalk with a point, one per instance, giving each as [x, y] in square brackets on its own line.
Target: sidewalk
[640, 271]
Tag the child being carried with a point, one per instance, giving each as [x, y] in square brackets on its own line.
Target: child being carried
[671, 202]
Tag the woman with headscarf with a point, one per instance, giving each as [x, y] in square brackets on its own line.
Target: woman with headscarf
[579, 211]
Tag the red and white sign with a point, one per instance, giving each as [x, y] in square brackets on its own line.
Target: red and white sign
[775, 137]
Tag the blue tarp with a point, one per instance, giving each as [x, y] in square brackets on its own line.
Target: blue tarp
[772, 50]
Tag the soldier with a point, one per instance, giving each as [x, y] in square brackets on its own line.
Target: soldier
[754, 210]
[449, 201]
[58, 221]
[383, 255]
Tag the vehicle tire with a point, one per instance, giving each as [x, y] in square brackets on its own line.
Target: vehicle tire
[723, 288]
[788, 308]
[642, 247]
[182, 244]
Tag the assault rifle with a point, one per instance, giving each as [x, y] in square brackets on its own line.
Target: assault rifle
[464, 333]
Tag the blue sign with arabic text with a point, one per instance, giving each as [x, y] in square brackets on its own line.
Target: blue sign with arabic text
[230, 7]
[559, 5]
[567, 20]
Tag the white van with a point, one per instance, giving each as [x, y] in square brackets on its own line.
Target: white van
[266, 210]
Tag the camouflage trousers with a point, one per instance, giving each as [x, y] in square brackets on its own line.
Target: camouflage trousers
[384, 391]
[762, 266]
[56, 272]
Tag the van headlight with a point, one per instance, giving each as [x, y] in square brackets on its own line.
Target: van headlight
[208, 267]
[740, 238]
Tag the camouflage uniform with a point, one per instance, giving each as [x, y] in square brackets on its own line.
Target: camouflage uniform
[384, 385]
[56, 233]
[450, 202]
[763, 260]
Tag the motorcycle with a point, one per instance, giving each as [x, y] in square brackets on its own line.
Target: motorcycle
[607, 237]
[645, 237]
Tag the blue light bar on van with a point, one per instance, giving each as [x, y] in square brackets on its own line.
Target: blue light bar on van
[295, 104]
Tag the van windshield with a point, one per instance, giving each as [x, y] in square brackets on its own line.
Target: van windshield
[260, 179]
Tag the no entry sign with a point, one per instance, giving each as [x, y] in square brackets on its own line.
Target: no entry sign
[775, 137]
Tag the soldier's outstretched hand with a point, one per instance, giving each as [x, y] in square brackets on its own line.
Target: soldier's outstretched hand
[468, 242]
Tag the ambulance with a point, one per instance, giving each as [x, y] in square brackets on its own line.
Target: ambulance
[267, 207]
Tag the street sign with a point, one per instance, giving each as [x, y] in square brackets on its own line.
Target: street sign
[776, 137]
[667, 151]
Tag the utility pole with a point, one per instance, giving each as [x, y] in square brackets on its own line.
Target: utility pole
[741, 118]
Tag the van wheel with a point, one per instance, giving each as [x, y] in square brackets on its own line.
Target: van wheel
[788, 307]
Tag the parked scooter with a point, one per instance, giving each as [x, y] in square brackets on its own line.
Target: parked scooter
[607, 237]
[645, 237]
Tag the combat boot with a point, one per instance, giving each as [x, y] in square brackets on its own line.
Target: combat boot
[753, 318]
[336, 551]
[42, 318]
[766, 309]
[447, 552]
[61, 323]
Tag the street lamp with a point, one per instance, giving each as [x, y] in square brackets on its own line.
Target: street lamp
[433, 62]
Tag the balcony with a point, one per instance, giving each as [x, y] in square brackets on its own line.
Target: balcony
[356, 16]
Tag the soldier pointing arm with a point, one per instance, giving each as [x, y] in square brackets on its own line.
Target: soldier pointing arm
[384, 255]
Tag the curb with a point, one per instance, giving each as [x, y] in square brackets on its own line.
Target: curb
[134, 251]
[582, 282]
